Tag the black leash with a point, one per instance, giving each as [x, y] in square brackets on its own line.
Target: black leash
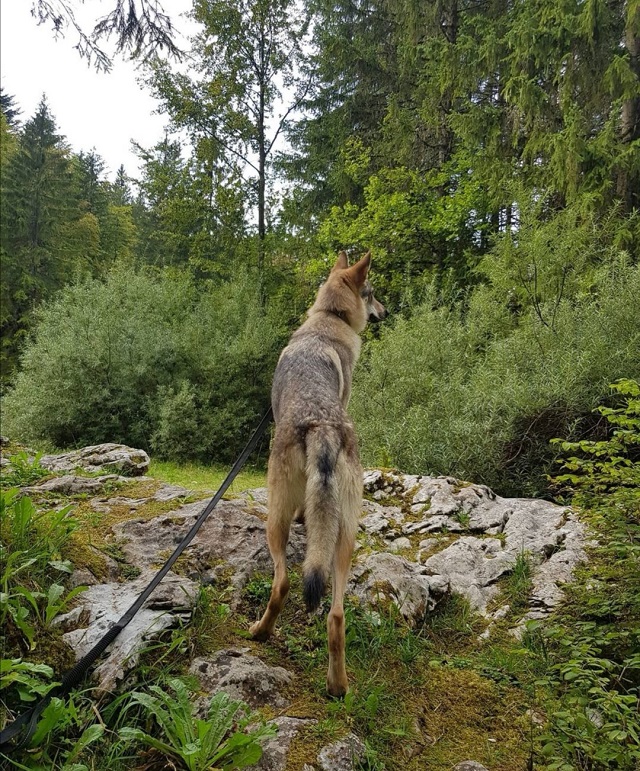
[76, 673]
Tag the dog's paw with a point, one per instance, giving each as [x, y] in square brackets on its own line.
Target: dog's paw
[337, 689]
[259, 633]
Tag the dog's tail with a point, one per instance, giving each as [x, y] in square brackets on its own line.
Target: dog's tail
[322, 510]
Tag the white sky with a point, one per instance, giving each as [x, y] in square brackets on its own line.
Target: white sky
[101, 110]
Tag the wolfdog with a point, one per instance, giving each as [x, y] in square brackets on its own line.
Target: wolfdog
[314, 467]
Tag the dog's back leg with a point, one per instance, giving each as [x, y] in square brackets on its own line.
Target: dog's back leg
[351, 499]
[285, 495]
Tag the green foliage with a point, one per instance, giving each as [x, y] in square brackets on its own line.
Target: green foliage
[27, 679]
[478, 389]
[593, 645]
[30, 553]
[149, 361]
[199, 743]
[519, 582]
[25, 470]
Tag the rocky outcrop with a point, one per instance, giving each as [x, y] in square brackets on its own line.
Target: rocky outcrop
[231, 544]
[420, 539]
[103, 604]
[489, 533]
[70, 484]
[100, 457]
[382, 577]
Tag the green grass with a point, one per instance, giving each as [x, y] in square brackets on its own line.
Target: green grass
[200, 478]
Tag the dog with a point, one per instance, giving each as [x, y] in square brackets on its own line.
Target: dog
[314, 466]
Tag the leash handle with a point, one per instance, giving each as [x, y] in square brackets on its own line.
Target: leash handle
[74, 675]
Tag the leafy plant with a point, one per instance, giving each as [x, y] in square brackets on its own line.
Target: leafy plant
[29, 680]
[25, 470]
[199, 743]
[593, 661]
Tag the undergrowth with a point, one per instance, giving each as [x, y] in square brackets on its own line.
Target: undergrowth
[562, 698]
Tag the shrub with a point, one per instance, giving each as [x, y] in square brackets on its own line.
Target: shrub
[593, 667]
[477, 391]
[149, 361]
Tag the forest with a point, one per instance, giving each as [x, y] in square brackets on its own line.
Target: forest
[487, 152]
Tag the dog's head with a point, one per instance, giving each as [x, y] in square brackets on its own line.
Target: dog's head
[348, 293]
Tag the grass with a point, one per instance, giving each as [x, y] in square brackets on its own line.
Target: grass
[197, 477]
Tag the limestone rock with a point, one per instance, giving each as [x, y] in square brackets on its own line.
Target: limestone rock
[275, 750]
[243, 676]
[469, 765]
[70, 484]
[342, 755]
[96, 457]
[382, 576]
[106, 603]
[472, 566]
[379, 519]
[231, 540]
[399, 544]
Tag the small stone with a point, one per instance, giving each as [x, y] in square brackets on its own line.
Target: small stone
[342, 755]
[276, 749]
[399, 544]
[470, 765]
[243, 677]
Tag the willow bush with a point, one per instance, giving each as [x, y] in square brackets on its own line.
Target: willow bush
[477, 389]
[148, 360]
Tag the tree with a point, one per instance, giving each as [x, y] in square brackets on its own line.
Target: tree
[9, 108]
[36, 200]
[246, 56]
[140, 27]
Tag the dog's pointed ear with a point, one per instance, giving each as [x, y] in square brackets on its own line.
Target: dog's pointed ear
[342, 262]
[361, 268]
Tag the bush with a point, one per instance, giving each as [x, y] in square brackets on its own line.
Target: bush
[593, 644]
[477, 391]
[148, 361]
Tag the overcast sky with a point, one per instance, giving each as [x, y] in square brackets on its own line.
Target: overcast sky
[101, 110]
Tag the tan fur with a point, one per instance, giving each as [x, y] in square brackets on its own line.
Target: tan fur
[314, 470]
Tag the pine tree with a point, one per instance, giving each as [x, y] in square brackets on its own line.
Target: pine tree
[9, 109]
[37, 199]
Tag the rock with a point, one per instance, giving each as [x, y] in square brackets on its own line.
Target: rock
[81, 577]
[243, 676]
[70, 484]
[379, 519]
[106, 603]
[256, 495]
[170, 493]
[535, 526]
[388, 577]
[116, 457]
[399, 544]
[472, 566]
[72, 620]
[4, 440]
[231, 541]
[4, 463]
[276, 749]
[469, 765]
[342, 755]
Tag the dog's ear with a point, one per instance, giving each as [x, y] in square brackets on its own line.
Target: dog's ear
[342, 262]
[360, 269]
